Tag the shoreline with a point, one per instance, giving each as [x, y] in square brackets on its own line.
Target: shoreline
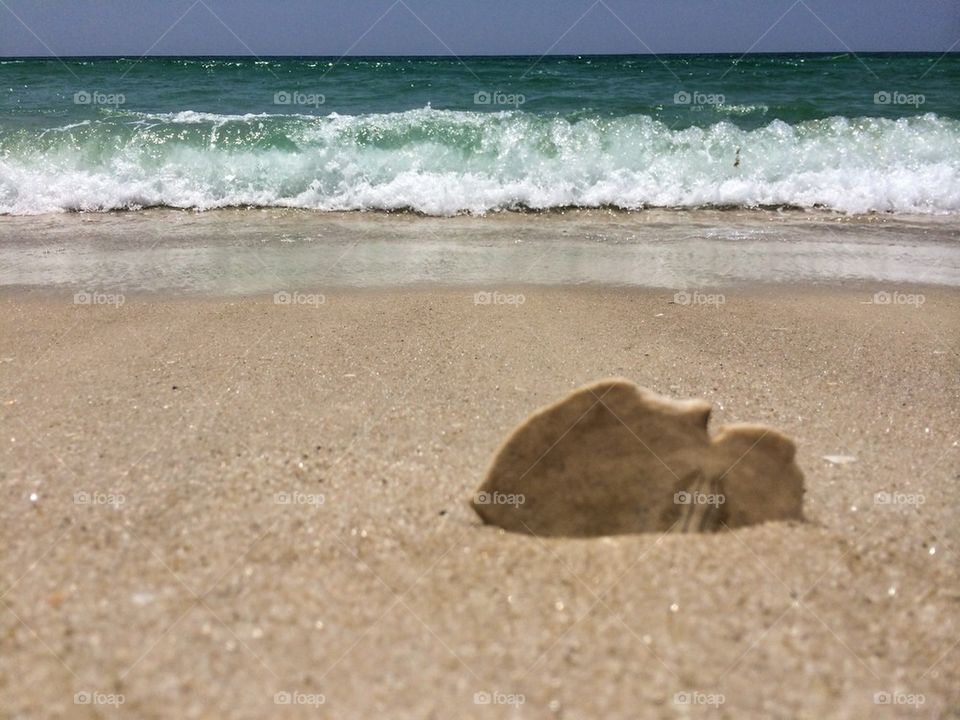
[249, 252]
[781, 212]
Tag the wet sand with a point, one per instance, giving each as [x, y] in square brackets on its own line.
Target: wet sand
[248, 251]
[210, 501]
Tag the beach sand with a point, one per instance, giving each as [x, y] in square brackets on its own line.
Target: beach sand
[207, 502]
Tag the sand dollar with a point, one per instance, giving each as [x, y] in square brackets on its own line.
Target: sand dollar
[615, 458]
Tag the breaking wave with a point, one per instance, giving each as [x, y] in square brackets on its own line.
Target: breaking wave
[443, 162]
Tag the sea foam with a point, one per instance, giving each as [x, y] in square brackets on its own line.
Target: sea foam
[443, 162]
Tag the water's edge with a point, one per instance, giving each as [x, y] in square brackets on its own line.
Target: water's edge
[249, 252]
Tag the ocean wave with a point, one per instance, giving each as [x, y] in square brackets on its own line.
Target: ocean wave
[447, 162]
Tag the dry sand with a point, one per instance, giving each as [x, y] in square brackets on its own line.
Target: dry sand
[201, 595]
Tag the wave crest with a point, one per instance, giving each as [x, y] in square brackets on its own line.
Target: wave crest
[446, 162]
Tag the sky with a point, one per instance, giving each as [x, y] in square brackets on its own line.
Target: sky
[472, 27]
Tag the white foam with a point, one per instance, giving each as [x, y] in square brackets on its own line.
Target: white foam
[442, 163]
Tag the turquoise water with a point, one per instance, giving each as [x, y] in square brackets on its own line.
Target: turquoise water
[867, 133]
